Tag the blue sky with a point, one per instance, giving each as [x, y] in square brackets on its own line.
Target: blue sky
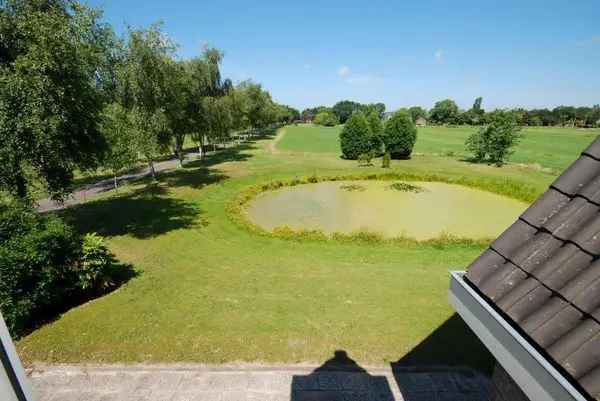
[308, 53]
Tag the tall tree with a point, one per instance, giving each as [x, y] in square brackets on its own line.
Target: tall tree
[119, 130]
[444, 112]
[53, 59]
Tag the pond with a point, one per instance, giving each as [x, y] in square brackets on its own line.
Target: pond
[420, 210]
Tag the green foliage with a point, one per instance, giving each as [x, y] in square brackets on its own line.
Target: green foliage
[37, 255]
[96, 269]
[345, 108]
[53, 60]
[376, 132]
[365, 159]
[326, 118]
[355, 138]
[493, 143]
[386, 160]
[416, 112]
[444, 112]
[399, 135]
[406, 187]
[119, 130]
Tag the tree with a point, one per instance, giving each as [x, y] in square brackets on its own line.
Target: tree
[145, 89]
[355, 137]
[326, 118]
[444, 112]
[417, 112]
[399, 135]
[53, 60]
[375, 132]
[344, 109]
[119, 130]
[493, 142]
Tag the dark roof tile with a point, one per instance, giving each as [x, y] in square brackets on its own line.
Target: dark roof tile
[533, 253]
[588, 238]
[592, 191]
[545, 208]
[584, 170]
[571, 341]
[586, 358]
[594, 149]
[557, 326]
[520, 290]
[591, 381]
[484, 266]
[543, 314]
[529, 303]
[502, 281]
[513, 238]
[564, 265]
[570, 218]
[583, 290]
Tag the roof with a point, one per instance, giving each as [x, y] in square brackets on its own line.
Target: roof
[543, 272]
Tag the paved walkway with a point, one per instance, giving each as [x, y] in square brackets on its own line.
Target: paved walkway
[253, 383]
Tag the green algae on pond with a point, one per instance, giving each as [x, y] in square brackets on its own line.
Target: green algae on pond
[437, 210]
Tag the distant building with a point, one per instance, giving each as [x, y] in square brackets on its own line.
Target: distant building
[421, 122]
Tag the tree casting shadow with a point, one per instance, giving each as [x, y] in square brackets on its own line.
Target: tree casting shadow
[144, 213]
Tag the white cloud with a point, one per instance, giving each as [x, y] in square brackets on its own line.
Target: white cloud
[344, 71]
[439, 56]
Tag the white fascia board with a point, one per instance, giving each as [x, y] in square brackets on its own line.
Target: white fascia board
[13, 381]
[535, 375]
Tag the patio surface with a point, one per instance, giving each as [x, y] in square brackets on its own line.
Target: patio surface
[254, 382]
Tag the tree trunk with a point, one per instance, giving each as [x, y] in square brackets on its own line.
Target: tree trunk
[21, 186]
[152, 171]
[200, 150]
[115, 181]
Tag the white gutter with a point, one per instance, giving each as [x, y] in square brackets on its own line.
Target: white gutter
[538, 379]
[13, 382]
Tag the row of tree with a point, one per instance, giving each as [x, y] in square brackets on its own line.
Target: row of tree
[447, 112]
[364, 136]
[340, 112]
[73, 95]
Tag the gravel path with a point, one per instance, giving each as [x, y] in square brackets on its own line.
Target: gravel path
[253, 382]
[91, 191]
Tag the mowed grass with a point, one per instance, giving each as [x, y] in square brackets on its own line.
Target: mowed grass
[211, 291]
[551, 148]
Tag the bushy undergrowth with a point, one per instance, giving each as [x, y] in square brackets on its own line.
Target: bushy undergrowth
[46, 267]
[508, 188]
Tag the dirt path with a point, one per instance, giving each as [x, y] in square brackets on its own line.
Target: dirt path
[272, 146]
[179, 382]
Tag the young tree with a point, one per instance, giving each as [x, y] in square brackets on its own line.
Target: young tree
[493, 142]
[376, 132]
[355, 138]
[399, 135]
[326, 118]
[444, 112]
[145, 89]
[119, 131]
[53, 60]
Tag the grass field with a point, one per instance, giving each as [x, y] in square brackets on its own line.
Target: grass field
[553, 148]
[210, 290]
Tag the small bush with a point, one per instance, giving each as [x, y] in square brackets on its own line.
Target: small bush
[399, 135]
[405, 187]
[355, 138]
[326, 118]
[96, 270]
[493, 143]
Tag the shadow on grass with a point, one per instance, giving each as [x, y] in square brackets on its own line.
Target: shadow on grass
[144, 213]
[451, 344]
[340, 378]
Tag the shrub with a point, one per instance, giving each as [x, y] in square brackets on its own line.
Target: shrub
[326, 118]
[365, 159]
[376, 130]
[385, 161]
[96, 269]
[494, 142]
[399, 135]
[37, 255]
[355, 138]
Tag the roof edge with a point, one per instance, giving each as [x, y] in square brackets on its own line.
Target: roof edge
[536, 376]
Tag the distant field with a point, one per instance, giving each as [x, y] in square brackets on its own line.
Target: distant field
[310, 138]
[553, 148]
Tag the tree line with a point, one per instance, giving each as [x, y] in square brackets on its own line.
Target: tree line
[447, 112]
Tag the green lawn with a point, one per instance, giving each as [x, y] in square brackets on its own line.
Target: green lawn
[209, 290]
[552, 148]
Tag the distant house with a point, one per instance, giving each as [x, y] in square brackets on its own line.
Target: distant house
[421, 122]
[533, 297]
